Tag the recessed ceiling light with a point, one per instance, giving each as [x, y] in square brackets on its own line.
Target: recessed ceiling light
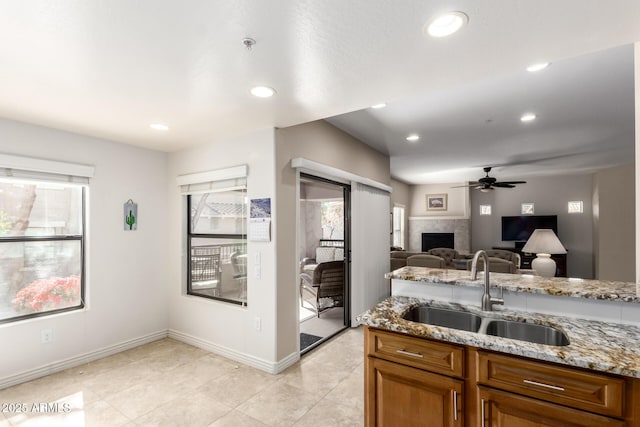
[527, 117]
[378, 106]
[413, 137]
[262, 91]
[447, 24]
[159, 126]
[537, 67]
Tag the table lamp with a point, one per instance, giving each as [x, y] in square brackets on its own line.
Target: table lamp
[544, 242]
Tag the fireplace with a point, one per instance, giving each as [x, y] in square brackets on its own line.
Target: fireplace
[437, 240]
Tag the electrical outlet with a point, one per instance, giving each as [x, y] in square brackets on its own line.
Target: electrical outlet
[258, 324]
[46, 336]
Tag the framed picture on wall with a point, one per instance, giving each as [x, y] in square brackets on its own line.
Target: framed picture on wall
[436, 202]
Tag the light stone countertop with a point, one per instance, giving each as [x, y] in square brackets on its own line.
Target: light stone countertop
[559, 286]
[596, 345]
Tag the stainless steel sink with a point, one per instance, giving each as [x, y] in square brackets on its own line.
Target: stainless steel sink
[527, 332]
[444, 317]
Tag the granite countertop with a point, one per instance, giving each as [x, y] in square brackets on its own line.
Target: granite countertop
[596, 345]
[560, 286]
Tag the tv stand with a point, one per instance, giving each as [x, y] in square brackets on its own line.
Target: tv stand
[526, 258]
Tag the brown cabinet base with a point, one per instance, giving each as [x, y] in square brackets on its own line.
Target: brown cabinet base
[416, 381]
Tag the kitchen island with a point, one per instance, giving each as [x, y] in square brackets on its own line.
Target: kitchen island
[471, 378]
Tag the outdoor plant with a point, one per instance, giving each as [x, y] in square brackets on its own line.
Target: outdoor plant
[48, 294]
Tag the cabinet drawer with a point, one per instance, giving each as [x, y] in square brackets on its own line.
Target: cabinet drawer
[418, 352]
[567, 386]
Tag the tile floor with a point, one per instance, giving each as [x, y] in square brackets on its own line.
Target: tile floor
[168, 383]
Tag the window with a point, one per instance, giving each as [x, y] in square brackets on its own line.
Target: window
[41, 247]
[216, 266]
[398, 226]
[332, 219]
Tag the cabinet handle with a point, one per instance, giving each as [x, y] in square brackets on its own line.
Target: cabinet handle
[408, 353]
[552, 387]
[482, 411]
[455, 405]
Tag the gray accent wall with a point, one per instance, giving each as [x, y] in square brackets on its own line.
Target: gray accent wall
[550, 196]
[614, 223]
[600, 241]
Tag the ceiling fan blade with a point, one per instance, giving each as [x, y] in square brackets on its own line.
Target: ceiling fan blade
[510, 182]
[504, 185]
[471, 184]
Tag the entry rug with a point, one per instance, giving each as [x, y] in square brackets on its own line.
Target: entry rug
[307, 339]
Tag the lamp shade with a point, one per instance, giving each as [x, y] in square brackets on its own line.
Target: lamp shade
[544, 240]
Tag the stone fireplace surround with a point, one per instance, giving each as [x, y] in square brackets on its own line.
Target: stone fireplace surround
[460, 227]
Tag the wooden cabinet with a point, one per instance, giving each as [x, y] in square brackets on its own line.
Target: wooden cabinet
[503, 409]
[401, 387]
[406, 396]
[416, 381]
[589, 391]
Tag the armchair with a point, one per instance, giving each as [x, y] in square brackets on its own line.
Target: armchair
[447, 254]
[504, 254]
[496, 265]
[327, 281]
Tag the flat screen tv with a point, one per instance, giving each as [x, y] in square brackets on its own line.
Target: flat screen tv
[519, 228]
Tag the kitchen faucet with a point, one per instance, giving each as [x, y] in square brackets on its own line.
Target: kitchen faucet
[487, 299]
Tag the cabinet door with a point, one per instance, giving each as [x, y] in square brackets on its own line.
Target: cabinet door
[399, 395]
[502, 409]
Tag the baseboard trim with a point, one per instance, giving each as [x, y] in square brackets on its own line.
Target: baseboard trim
[51, 368]
[247, 359]
[287, 361]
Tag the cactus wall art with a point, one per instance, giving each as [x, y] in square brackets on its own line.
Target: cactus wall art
[130, 216]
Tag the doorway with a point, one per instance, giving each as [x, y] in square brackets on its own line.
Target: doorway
[324, 265]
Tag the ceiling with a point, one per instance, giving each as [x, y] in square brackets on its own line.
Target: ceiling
[585, 119]
[110, 68]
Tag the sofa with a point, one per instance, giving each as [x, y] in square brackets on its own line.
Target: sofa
[500, 261]
[400, 259]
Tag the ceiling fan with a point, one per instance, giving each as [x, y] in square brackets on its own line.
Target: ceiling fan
[488, 183]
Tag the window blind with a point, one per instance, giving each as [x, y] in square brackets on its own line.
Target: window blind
[214, 181]
[33, 169]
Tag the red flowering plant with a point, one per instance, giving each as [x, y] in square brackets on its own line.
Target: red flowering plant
[48, 294]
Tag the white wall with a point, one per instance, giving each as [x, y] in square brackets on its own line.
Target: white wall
[323, 143]
[126, 281]
[225, 328]
[457, 200]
